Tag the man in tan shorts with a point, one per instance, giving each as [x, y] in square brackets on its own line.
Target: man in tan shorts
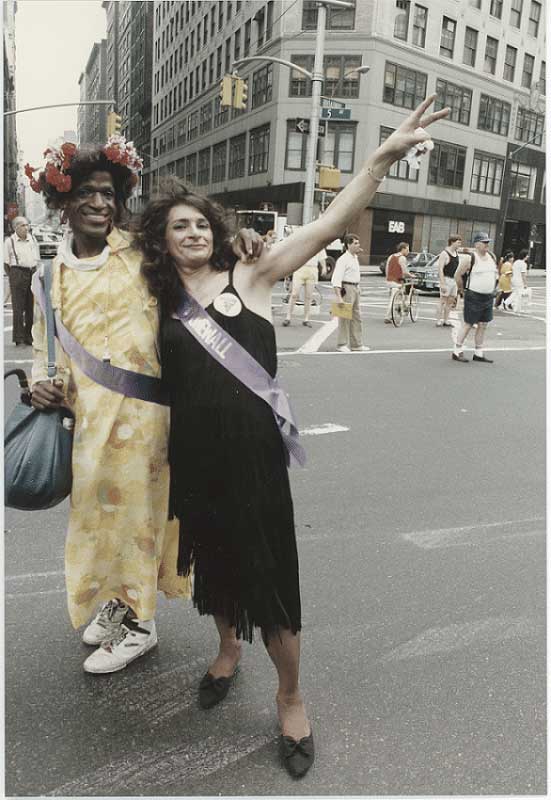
[306, 276]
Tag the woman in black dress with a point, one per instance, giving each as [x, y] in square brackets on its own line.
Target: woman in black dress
[230, 487]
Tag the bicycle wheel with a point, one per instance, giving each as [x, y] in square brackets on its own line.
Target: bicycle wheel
[397, 310]
[414, 306]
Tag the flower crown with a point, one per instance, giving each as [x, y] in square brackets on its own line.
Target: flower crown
[59, 160]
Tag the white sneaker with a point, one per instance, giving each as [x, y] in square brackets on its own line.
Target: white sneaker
[342, 348]
[439, 323]
[130, 643]
[363, 349]
[106, 623]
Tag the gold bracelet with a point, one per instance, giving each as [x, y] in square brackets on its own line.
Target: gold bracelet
[375, 177]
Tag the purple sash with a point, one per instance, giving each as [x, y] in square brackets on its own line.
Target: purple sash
[231, 355]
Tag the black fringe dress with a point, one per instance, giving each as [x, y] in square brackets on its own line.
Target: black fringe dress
[229, 481]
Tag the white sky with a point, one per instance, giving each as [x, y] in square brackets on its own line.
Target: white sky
[53, 42]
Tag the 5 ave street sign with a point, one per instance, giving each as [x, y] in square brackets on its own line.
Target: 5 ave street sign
[335, 113]
[303, 126]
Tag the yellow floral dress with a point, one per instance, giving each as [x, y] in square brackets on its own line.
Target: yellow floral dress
[119, 542]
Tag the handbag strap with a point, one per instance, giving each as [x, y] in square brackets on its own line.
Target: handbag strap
[50, 322]
[123, 381]
[12, 240]
[233, 357]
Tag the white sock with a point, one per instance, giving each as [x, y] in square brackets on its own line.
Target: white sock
[479, 353]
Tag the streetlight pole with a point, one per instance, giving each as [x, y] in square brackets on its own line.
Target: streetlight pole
[61, 105]
[312, 143]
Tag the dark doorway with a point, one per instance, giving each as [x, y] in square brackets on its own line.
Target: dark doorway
[389, 229]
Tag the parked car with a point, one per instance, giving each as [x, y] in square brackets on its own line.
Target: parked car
[427, 274]
[48, 243]
[413, 259]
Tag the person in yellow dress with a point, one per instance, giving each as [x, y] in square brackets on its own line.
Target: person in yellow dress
[120, 547]
[504, 287]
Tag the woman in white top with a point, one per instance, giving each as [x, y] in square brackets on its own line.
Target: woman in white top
[518, 281]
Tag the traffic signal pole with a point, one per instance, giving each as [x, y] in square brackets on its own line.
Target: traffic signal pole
[312, 144]
[61, 105]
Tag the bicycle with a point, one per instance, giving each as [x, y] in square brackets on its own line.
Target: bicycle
[405, 302]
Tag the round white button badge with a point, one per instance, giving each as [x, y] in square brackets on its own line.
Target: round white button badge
[228, 304]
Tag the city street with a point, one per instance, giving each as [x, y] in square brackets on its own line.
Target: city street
[420, 522]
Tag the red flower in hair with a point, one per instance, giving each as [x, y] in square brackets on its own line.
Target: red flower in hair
[29, 171]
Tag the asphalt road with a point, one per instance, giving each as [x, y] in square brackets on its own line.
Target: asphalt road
[420, 523]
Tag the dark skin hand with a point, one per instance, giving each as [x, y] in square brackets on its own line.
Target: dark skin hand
[247, 246]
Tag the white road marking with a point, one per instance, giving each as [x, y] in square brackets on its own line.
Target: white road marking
[327, 427]
[313, 344]
[28, 575]
[446, 537]
[18, 361]
[406, 350]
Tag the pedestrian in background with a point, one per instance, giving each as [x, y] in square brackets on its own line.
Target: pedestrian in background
[346, 283]
[21, 258]
[448, 262]
[306, 277]
[269, 238]
[505, 268]
[519, 282]
[481, 276]
[396, 272]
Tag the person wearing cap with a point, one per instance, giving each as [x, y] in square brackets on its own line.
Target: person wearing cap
[21, 257]
[476, 280]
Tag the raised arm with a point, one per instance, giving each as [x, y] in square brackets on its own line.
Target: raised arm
[291, 253]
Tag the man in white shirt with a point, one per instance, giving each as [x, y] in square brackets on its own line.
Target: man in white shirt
[346, 283]
[306, 276]
[479, 292]
[518, 281]
[21, 257]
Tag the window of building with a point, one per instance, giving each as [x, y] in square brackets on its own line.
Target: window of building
[192, 125]
[523, 181]
[510, 63]
[262, 86]
[219, 62]
[338, 19]
[228, 11]
[487, 174]
[211, 69]
[527, 71]
[205, 118]
[401, 19]
[534, 18]
[299, 84]
[247, 39]
[181, 167]
[237, 46]
[420, 14]
[475, 3]
[516, 12]
[400, 169]
[204, 75]
[447, 165]
[220, 14]
[162, 144]
[490, 55]
[186, 49]
[191, 169]
[457, 98]
[259, 149]
[335, 68]
[295, 151]
[269, 19]
[205, 30]
[237, 6]
[220, 114]
[259, 28]
[227, 57]
[212, 21]
[170, 139]
[219, 162]
[339, 145]
[447, 37]
[181, 60]
[203, 172]
[529, 127]
[192, 44]
[236, 159]
[181, 132]
[404, 87]
[185, 90]
[541, 84]
[494, 115]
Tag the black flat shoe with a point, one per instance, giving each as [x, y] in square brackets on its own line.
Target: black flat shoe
[212, 690]
[297, 757]
[484, 359]
[460, 357]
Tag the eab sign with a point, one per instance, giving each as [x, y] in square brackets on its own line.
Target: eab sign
[396, 226]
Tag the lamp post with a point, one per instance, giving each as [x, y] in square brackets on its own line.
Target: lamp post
[61, 105]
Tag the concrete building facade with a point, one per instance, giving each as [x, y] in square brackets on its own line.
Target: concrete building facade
[484, 58]
[11, 206]
[92, 120]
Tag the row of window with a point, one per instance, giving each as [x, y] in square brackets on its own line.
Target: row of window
[419, 19]
[406, 88]
[198, 39]
[447, 168]
[225, 160]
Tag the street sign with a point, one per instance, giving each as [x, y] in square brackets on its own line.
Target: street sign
[335, 113]
[328, 102]
[303, 126]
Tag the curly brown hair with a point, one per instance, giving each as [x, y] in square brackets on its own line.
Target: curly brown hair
[158, 267]
[89, 159]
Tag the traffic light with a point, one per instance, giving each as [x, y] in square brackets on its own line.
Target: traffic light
[241, 94]
[226, 91]
[114, 124]
[329, 178]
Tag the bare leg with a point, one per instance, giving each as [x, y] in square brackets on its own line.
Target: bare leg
[229, 651]
[462, 335]
[284, 650]
[308, 292]
[291, 304]
[447, 308]
[479, 336]
[442, 307]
